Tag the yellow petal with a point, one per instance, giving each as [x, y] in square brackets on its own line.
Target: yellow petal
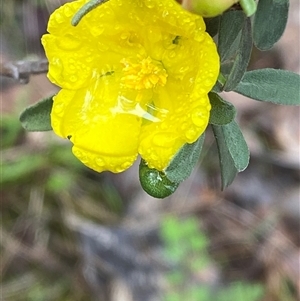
[104, 133]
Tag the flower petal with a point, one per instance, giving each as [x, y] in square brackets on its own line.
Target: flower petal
[105, 135]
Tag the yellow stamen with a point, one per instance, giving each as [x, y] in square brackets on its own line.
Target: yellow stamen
[145, 74]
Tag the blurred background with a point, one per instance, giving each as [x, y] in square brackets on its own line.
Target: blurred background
[71, 234]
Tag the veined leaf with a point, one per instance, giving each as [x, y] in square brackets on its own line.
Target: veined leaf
[231, 24]
[269, 22]
[37, 116]
[222, 111]
[233, 151]
[184, 161]
[241, 59]
[271, 85]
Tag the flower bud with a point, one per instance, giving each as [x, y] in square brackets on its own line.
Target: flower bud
[208, 8]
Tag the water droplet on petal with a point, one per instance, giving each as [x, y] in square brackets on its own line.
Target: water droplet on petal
[184, 126]
[165, 13]
[207, 83]
[96, 30]
[84, 159]
[58, 108]
[199, 116]
[77, 153]
[191, 134]
[100, 162]
[59, 18]
[149, 3]
[69, 42]
[126, 165]
[163, 139]
[199, 37]
[119, 169]
[68, 11]
[73, 78]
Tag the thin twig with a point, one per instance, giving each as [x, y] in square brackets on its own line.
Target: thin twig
[22, 70]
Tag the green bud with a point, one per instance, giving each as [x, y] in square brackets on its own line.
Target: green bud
[155, 182]
[208, 8]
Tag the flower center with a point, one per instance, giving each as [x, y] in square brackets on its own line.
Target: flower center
[145, 74]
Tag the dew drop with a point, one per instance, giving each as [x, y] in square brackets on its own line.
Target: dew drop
[73, 78]
[119, 168]
[58, 108]
[149, 3]
[191, 134]
[179, 110]
[88, 58]
[165, 13]
[199, 37]
[184, 126]
[187, 20]
[96, 30]
[59, 18]
[77, 153]
[100, 162]
[68, 11]
[84, 159]
[125, 165]
[207, 82]
[153, 157]
[119, 2]
[198, 117]
[69, 42]
[163, 139]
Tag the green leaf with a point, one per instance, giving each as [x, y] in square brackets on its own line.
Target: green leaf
[271, 85]
[231, 24]
[37, 116]
[222, 112]
[241, 59]
[269, 22]
[21, 168]
[10, 129]
[184, 161]
[233, 151]
[228, 170]
[212, 25]
[154, 182]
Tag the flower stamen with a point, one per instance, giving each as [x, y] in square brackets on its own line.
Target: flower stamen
[145, 74]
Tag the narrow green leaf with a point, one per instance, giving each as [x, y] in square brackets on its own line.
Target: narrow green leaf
[241, 59]
[228, 170]
[184, 161]
[269, 22]
[233, 151]
[212, 25]
[237, 145]
[21, 169]
[222, 112]
[231, 24]
[37, 116]
[271, 85]
[154, 182]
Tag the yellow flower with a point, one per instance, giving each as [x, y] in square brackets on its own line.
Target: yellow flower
[134, 76]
